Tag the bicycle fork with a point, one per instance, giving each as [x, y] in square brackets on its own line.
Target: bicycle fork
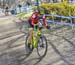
[34, 40]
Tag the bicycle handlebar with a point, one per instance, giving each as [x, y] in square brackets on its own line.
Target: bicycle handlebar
[41, 27]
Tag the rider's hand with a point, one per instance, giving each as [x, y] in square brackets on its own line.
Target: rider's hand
[48, 27]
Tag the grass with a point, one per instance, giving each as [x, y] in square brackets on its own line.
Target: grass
[24, 15]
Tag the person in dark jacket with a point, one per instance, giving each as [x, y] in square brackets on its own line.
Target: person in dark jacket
[6, 10]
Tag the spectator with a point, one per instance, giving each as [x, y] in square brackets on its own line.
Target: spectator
[28, 3]
[20, 7]
[6, 10]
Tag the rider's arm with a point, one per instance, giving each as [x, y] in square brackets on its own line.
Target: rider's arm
[44, 20]
[33, 19]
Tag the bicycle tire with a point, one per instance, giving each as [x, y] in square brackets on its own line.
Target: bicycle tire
[42, 38]
[28, 49]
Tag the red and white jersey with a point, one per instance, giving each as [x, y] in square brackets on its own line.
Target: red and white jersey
[44, 20]
[35, 17]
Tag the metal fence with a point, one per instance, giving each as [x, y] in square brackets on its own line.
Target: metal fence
[63, 17]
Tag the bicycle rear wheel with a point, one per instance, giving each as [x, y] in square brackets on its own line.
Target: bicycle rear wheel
[29, 47]
[42, 46]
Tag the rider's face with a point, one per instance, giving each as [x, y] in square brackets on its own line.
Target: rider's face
[39, 15]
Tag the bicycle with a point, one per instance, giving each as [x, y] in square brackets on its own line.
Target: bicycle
[39, 42]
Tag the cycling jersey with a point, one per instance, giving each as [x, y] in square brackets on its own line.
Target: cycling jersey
[35, 17]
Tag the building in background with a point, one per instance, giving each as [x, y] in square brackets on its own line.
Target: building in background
[54, 1]
[70, 1]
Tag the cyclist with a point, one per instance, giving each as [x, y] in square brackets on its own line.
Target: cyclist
[33, 20]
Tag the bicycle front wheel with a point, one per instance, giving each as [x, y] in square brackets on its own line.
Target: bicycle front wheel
[42, 46]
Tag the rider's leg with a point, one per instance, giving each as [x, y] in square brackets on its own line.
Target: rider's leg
[30, 36]
[30, 31]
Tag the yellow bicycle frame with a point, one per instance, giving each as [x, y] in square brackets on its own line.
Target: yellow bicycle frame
[35, 38]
